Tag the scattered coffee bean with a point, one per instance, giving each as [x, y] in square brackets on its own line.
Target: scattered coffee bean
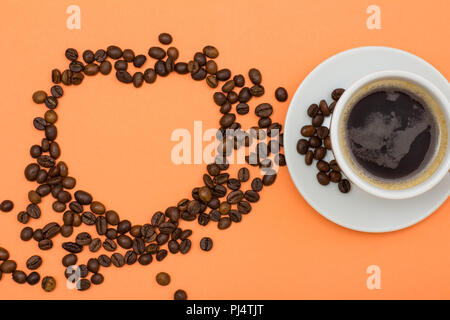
[163, 278]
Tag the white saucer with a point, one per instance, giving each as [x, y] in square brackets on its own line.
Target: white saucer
[357, 209]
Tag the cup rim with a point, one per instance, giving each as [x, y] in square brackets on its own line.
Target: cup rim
[405, 193]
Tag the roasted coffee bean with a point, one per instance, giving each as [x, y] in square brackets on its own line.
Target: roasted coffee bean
[26, 234]
[165, 38]
[264, 110]
[223, 74]
[235, 196]
[109, 245]
[105, 67]
[83, 239]
[138, 79]
[173, 53]
[76, 66]
[200, 58]
[38, 235]
[145, 259]
[150, 75]
[243, 174]
[308, 131]
[45, 145]
[320, 153]
[323, 106]
[124, 226]
[257, 90]
[124, 76]
[19, 276]
[269, 178]
[33, 211]
[66, 77]
[221, 178]
[88, 218]
[234, 184]
[95, 245]
[235, 215]
[224, 223]
[23, 217]
[323, 178]
[193, 66]
[39, 96]
[83, 197]
[161, 68]
[224, 207]
[281, 94]
[181, 68]
[121, 65]
[323, 166]
[208, 181]
[101, 225]
[185, 246]
[45, 244]
[41, 178]
[93, 265]
[35, 151]
[117, 260]
[72, 247]
[33, 278]
[264, 122]
[327, 142]
[213, 169]
[334, 166]
[91, 69]
[214, 215]
[211, 68]
[8, 266]
[167, 227]
[152, 248]
[88, 56]
[205, 193]
[56, 76]
[185, 234]
[34, 262]
[173, 246]
[97, 207]
[83, 284]
[280, 159]
[4, 254]
[210, 52]
[206, 244]
[163, 279]
[251, 196]
[255, 76]
[219, 98]
[232, 97]
[337, 93]
[161, 254]
[227, 120]
[66, 231]
[68, 182]
[244, 207]
[139, 60]
[203, 219]
[69, 260]
[76, 207]
[315, 142]
[344, 186]
[138, 246]
[335, 176]
[309, 156]
[180, 295]
[77, 78]
[228, 86]
[157, 53]
[317, 120]
[39, 123]
[157, 218]
[322, 132]
[112, 217]
[176, 234]
[257, 184]
[6, 205]
[64, 196]
[147, 231]
[242, 108]
[104, 260]
[50, 116]
[71, 54]
[31, 171]
[100, 55]
[114, 52]
[48, 284]
[97, 278]
[124, 241]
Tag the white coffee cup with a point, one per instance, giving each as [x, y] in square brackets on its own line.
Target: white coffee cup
[439, 165]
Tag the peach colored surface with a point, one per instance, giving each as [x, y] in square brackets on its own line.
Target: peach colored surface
[111, 134]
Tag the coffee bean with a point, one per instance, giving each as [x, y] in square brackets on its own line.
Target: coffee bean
[72, 247]
[157, 53]
[281, 94]
[317, 120]
[104, 260]
[124, 226]
[39, 123]
[112, 217]
[8, 266]
[269, 178]
[173, 246]
[83, 284]
[124, 76]
[322, 132]
[69, 260]
[19, 276]
[138, 79]
[185, 246]
[323, 178]
[95, 245]
[206, 244]
[88, 56]
[244, 207]
[101, 225]
[323, 106]
[76, 66]
[4, 254]
[211, 52]
[243, 174]
[83, 239]
[33, 278]
[44, 161]
[83, 197]
[180, 295]
[93, 265]
[223, 74]
[6, 205]
[307, 131]
[38, 235]
[66, 77]
[71, 54]
[335, 176]
[109, 245]
[255, 76]
[257, 90]
[251, 196]
[264, 110]
[181, 68]
[139, 60]
[163, 278]
[114, 52]
[33, 211]
[34, 262]
[227, 120]
[235, 196]
[315, 142]
[165, 38]
[257, 184]
[320, 153]
[327, 142]
[323, 166]
[100, 55]
[224, 223]
[242, 108]
[334, 166]
[45, 244]
[97, 278]
[337, 93]
[121, 65]
[105, 67]
[124, 241]
[332, 106]
[66, 231]
[117, 260]
[145, 259]
[91, 69]
[56, 76]
[234, 184]
[77, 78]
[88, 218]
[26, 234]
[48, 284]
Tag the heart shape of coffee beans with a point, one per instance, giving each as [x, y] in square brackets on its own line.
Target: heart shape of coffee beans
[162, 234]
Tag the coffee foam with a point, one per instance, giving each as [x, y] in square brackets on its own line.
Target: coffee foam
[430, 103]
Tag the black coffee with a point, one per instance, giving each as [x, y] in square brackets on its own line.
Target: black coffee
[392, 134]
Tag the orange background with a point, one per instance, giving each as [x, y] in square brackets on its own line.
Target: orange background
[111, 134]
